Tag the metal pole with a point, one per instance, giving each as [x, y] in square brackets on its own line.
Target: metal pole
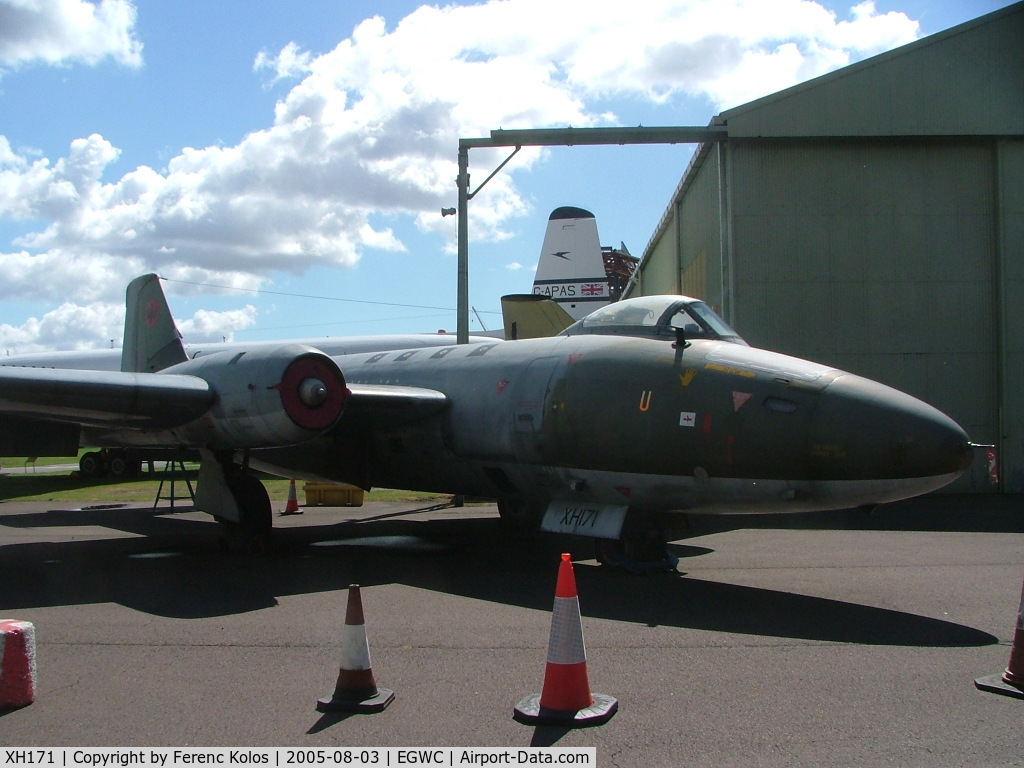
[567, 137]
[462, 300]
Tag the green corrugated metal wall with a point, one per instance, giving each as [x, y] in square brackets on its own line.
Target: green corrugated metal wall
[875, 221]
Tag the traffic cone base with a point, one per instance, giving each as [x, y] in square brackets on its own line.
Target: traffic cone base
[1011, 682]
[530, 712]
[997, 684]
[354, 701]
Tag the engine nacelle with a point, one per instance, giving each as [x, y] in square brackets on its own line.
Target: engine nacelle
[266, 397]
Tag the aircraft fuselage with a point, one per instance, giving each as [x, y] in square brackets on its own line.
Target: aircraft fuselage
[639, 422]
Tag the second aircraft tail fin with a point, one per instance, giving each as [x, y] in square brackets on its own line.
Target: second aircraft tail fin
[571, 271]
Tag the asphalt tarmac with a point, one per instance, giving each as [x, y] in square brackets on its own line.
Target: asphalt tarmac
[831, 639]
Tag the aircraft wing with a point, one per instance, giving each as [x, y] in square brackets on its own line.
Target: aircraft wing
[104, 398]
[155, 401]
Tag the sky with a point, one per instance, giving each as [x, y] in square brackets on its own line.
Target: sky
[283, 165]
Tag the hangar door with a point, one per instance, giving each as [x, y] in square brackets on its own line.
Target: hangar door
[877, 256]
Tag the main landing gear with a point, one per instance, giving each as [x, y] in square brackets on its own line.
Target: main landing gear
[238, 502]
[641, 548]
[253, 532]
[520, 513]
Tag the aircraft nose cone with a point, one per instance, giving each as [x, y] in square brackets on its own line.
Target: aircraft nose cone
[884, 434]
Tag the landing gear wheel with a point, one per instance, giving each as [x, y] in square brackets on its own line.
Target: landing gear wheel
[640, 550]
[646, 545]
[519, 513]
[253, 533]
[608, 551]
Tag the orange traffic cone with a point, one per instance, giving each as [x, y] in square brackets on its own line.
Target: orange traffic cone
[356, 690]
[1011, 682]
[292, 507]
[566, 698]
[17, 663]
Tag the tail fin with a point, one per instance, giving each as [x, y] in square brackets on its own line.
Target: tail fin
[574, 270]
[151, 340]
[570, 271]
[529, 316]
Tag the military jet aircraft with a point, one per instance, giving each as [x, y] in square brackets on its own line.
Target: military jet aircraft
[644, 408]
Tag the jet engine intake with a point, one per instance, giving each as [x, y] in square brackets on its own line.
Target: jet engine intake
[267, 397]
[313, 391]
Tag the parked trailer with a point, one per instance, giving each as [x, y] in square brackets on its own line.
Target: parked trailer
[127, 462]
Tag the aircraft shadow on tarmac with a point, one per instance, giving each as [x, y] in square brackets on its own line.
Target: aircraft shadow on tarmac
[964, 513]
[178, 571]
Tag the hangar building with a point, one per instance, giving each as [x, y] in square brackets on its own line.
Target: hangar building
[873, 219]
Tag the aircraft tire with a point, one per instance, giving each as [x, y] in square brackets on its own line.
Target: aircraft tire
[253, 533]
[91, 464]
[639, 550]
[607, 551]
[518, 512]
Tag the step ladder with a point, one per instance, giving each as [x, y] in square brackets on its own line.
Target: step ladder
[169, 475]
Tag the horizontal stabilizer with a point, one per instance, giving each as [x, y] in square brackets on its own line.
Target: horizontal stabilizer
[104, 398]
[530, 316]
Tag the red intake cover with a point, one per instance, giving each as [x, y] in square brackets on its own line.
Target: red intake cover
[313, 367]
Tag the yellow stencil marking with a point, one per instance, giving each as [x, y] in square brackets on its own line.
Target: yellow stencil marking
[686, 378]
[727, 369]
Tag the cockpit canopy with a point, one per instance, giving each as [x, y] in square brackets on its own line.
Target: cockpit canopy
[657, 316]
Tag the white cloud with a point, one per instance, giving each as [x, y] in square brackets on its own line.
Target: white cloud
[58, 274]
[69, 327]
[370, 130]
[217, 326]
[100, 325]
[63, 31]
[8, 159]
[290, 63]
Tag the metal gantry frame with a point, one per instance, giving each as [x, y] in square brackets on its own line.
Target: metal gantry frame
[546, 137]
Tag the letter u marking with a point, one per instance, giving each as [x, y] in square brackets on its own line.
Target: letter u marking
[645, 400]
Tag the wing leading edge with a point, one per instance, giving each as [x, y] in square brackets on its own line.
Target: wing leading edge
[104, 398]
[155, 401]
